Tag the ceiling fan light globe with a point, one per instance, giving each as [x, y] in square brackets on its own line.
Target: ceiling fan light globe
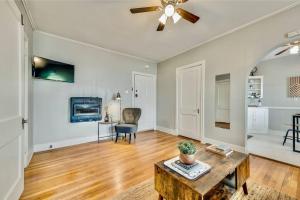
[176, 17]
[169, 10]
[294, 50]
[163, 19]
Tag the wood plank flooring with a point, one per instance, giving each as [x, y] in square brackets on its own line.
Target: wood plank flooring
[100, 171]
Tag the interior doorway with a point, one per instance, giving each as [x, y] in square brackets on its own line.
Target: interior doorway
[190, 100]
[273, 99]
[144, 97]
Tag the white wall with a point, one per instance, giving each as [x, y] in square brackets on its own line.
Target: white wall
[97, 73]
[276, 73]
[236, 54]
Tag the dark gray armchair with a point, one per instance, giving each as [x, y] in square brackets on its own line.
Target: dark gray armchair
[131, 117]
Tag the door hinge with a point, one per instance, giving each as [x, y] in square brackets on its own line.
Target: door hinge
[22, 20]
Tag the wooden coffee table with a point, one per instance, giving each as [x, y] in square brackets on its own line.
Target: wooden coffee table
[173, 186]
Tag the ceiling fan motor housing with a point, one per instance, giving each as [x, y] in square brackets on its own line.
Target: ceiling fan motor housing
[169, 2]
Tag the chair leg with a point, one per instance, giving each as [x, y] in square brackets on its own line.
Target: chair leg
[286, 136]
[117, 135]
[129, 138]
[134, 136]
[245, 189]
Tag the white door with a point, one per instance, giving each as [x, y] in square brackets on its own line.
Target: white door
[144, 98]
[223, 101]
[189, 102]
[11, 134]
[25, 102]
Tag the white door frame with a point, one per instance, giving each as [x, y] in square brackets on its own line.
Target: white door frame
[133, 89]
[202, 86]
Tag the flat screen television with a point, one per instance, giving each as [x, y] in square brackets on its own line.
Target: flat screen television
[47, 69]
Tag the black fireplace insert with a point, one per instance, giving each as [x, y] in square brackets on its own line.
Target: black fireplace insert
[84, 109]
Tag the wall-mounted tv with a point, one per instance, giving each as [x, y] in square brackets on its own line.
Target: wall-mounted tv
[47, 69]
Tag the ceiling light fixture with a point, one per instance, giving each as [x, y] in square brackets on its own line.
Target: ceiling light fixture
[176, 17]
[294, 50]
[169, 10]
[163, 19]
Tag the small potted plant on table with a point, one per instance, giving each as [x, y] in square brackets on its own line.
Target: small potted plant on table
[187, 152]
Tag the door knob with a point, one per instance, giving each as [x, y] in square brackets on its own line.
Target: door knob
[24, 121]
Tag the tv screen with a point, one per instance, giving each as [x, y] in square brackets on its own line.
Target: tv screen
[43, 68]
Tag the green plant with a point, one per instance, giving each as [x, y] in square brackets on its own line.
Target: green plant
[187, 147]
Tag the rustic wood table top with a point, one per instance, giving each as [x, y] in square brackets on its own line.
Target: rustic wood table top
[221, 167]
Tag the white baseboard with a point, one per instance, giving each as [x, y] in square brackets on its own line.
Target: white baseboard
[166, 130]
[63, 143]
[217, 142]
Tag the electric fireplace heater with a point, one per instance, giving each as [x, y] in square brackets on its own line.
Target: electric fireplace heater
[84, 109]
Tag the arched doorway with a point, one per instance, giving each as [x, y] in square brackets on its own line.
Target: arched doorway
[273, 98]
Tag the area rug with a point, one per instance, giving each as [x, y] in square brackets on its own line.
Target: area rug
[146, 191]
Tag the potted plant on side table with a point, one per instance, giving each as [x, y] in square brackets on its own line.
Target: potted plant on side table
[187, 152]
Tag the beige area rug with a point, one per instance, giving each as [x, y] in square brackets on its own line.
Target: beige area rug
[146, 191]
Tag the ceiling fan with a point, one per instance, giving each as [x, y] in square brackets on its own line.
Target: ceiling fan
[171, 9]
[294, 48]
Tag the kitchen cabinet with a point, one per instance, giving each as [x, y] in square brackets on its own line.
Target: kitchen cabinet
[258, 119]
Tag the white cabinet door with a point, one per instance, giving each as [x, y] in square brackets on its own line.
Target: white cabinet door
[258, 120]
[251, 113]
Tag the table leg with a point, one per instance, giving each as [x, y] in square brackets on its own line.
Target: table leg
[294, 130]
[112, 131]
[298, 130]
[160, 197]
[98, 132]
[245, 189]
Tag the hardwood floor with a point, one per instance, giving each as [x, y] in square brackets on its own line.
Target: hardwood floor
[100, 171]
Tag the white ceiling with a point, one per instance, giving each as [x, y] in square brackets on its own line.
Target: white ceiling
[272, 55]
[109, 24]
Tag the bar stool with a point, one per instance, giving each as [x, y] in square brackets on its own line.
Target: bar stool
[291, 130]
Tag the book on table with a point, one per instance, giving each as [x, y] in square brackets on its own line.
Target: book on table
[190, 172]
[223, 150]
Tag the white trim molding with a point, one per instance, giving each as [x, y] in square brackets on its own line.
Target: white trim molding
[63, 143]
[15, 9]
[96, 47]
[217, 142]
[167, 130]
[28, 13]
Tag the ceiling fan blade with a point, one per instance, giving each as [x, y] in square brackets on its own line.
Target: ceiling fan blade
[297, 42]
[187, 15]
[160, 27]
[281, 52]
[182, 1]
[144, 9]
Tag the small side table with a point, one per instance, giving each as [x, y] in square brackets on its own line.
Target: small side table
[111, 131]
